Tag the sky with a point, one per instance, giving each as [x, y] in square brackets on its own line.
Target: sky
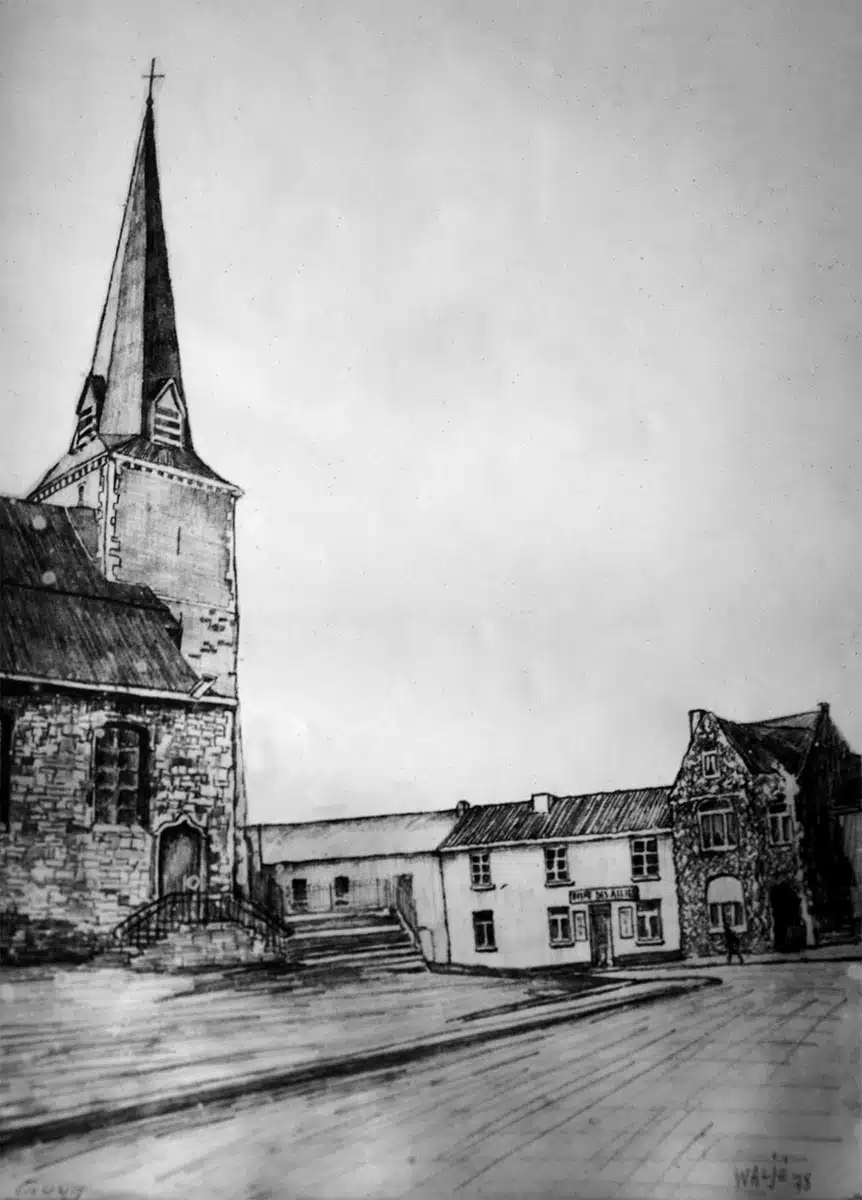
[531, 333]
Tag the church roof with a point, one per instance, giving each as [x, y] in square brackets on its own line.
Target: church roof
[137, 350]
[62, 620]
[136, 359]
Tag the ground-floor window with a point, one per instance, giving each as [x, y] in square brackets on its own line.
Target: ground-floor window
[483, 930]
[580, 925]
[649, 921]
[729, 913]
[560, 926]
[724, 903]
[627, 922]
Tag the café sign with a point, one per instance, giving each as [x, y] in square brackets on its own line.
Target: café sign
[590, 895]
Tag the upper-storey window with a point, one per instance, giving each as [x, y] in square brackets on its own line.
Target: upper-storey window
[120, 763]
[556, 864]
[168, 419]
[717, 824]
[709, 763]
[644, 858]
[480, 869]
[780, 823]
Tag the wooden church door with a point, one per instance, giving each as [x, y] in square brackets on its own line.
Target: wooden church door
[181, 860]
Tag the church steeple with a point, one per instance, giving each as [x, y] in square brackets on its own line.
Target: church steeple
[134, 386]
[164, 518]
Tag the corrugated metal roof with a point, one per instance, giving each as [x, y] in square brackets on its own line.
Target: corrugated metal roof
[602, 813]
[355, 837]
[61, 619]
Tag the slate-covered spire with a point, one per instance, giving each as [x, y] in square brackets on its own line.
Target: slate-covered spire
[137, 352]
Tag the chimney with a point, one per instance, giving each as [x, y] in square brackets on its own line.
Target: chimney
[694, 718]
[461, 807]
[824, 708]
[542, 802]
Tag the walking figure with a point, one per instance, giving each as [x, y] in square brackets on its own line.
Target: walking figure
[731, 942]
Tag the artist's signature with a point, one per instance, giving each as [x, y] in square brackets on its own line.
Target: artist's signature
[31, 1189]
[778, 1174]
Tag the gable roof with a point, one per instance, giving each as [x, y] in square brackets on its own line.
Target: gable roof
[354, 837]
[598, 814]
[61, 619]
[783, 741]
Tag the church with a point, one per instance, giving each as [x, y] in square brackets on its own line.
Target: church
[119, 778]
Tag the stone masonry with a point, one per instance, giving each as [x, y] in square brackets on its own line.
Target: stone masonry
[67, 881]
[757, 863]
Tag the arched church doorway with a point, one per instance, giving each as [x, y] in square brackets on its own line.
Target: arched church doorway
[787, 923]
[182, 859]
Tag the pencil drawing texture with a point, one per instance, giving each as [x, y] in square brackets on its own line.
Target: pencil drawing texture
[634, 992]
[119, 642]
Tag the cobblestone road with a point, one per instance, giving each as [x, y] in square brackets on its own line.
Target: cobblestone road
[749, 1089]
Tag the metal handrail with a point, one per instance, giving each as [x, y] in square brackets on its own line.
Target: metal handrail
[154, 921]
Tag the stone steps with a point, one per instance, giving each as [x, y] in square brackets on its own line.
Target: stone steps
[365, 939]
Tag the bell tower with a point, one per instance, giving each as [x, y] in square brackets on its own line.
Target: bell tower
[165, 518]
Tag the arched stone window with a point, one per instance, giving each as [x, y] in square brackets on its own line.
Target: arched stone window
[120, 768]
[724, 902]
[717, 824]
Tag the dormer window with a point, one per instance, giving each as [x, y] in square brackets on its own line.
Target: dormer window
[86, 429]
[168, 419]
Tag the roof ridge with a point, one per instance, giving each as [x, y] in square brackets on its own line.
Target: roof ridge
[808, 712]
[48, 589]
[427, 812]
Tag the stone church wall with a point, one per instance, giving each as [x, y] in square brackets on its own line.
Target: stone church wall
[65, 881]
[177, 536]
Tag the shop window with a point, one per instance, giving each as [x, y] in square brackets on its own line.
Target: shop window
[120, 761]
[649, 927]
[560, 926]
[717, 824]
[644, 858]
[627, 922]
[483, 930]
[580, 919]
[556, 864]
[724, 903]
[480, 869]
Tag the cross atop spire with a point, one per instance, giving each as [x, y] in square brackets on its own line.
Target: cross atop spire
[137, 351]
[151, 77]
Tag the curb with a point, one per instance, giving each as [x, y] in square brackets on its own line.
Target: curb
[77, 1124]
[720, 964]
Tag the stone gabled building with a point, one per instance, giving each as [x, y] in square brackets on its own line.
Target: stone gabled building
[758, 815]
[118, 656]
